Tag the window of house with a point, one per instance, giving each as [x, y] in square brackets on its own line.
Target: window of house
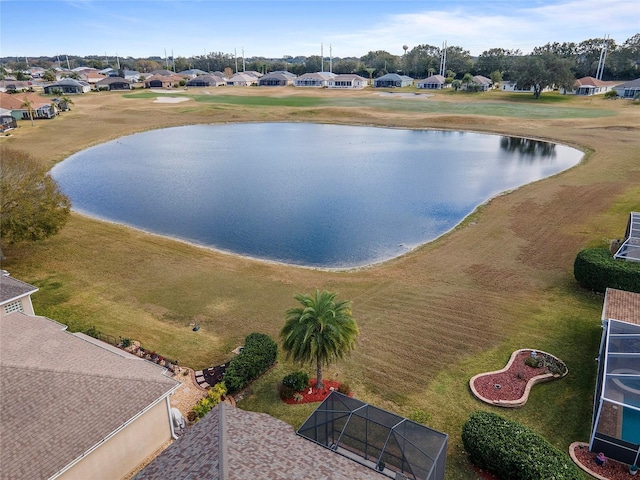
[13, 307]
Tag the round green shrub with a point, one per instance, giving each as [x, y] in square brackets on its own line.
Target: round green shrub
[297, 380]
[596, 269]
[511, 450]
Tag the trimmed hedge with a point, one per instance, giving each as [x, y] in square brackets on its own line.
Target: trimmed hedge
[596, 269]
[512, 451]
[258, 354]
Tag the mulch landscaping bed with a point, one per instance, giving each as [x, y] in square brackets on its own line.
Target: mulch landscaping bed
[612, 469]
[312, 394]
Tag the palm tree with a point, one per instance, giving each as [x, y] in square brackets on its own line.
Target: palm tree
[28, 105]
[321, 330]
[66, 102]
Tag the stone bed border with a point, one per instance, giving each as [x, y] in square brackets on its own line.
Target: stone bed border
[547, 377]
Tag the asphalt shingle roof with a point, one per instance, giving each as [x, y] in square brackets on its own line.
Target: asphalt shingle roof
[12, 289]
[230, 443]
[61, 395]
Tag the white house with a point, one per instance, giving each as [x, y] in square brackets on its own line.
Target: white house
[434, 82]
[317, 79]
[589, 86]
[629, 89]
[15, 295]
[347, 81]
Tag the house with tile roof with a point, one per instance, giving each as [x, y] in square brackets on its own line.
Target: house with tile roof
[590, 86]
[41, 107]
[72, 407]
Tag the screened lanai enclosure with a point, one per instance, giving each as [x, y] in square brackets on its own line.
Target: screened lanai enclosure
[616, 409]
[385, 442]
[630, 248]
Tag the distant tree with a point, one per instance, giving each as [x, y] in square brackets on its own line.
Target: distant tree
[49, 76]
[74, 75]
[146, 66]
[455, 84]
[624, 62]
[314, 64]
[420, 59]
[496, 77]
[21, 76]
[495, 59]
[321, 331]
[347, 65]
[381, 61]
[94, 63]
[542, 71]
[31, 204]
[467, 80]
[459, 60]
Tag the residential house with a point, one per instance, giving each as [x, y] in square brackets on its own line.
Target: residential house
[242, 80]
[629, 89]
[589, 86]
[616, 407]
[344, 438]
[192, 73]
[163, 81]
[91, 75]
[67, 86]
[163, 72]
[72, 407]
[479, 83]
[317, 79]
[207, 81]
[40, 107]
[277, 79]
[351, 81]
[132, 75]
[393, 80]
[513, 88]
[7, 122]
[15, 295]
[12, 86]
[114, 83]
[234, 444]
[434, 82]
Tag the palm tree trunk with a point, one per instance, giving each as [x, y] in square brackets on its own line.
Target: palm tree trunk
[319, 384]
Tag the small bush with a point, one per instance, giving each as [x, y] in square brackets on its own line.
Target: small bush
[532, 362]
[213, 398]
[611, 94]
[510, 450]
[297, 380]
[596, 269]
[286, 392]
[344, 388]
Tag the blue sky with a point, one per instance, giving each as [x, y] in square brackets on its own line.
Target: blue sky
[299, 27]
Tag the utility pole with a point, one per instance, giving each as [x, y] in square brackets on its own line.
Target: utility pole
[321, 57]
[243, 64]
[236, 58]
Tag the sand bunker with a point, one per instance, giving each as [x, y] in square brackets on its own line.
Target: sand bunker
[170, 100]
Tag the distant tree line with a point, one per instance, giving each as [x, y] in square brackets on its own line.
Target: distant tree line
[581, 60]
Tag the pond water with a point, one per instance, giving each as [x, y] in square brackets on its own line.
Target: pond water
[304, 194]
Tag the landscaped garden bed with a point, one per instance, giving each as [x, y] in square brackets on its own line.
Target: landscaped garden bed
[587, 461]
[510, 386]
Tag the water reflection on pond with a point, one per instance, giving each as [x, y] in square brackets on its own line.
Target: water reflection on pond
[306, 194]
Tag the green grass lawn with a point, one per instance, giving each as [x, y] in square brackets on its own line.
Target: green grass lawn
[548, 106]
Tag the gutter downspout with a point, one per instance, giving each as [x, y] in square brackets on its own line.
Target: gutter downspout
[173, 432]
